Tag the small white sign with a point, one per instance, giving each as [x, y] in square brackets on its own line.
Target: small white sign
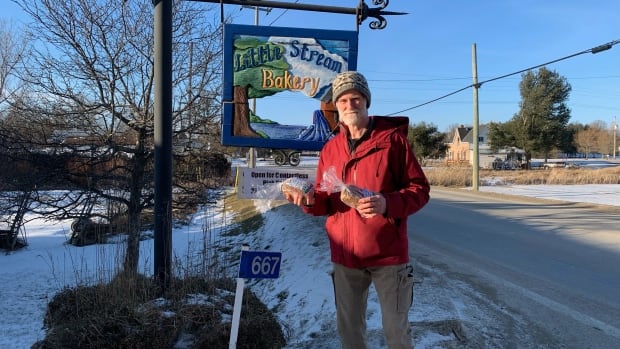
[264, 182]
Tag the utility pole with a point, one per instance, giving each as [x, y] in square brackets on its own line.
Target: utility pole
[615, 128]
[476, 156]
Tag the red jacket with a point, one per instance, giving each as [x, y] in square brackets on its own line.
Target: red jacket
[382, 162]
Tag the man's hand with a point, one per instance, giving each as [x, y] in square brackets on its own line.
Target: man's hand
[298, 198]
[372, 205]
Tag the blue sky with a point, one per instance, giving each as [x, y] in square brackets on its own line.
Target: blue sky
[427, 54]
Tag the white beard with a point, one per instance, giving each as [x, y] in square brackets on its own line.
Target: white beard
[353, 118]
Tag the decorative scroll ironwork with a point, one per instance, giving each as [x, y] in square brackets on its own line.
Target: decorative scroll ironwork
[377, 12]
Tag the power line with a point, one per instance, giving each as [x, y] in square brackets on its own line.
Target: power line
[281, 14]
[593, 50]
[419, 80]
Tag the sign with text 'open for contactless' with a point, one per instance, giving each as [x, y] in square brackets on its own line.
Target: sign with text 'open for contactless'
[265, 182]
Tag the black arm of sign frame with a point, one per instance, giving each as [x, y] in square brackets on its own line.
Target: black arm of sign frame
[362, 11]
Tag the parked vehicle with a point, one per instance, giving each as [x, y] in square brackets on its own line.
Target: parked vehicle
[555, 164]
[499, 164]
[560, 164]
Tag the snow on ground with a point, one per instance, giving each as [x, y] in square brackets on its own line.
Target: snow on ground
[301, 296]
[604, 194]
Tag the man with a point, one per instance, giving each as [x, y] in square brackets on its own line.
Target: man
[368, 243]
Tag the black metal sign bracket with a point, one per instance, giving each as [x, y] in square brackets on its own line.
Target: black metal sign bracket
[361, 12]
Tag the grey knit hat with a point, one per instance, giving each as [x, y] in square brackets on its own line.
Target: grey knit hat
[350, 80]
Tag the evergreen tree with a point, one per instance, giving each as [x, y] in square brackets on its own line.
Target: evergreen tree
[426, 141]
[541, 121]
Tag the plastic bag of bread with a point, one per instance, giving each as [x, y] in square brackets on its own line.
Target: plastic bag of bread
[349, 193]
[298, 185]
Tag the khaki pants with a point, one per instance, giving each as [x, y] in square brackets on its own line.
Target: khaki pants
[394, 285]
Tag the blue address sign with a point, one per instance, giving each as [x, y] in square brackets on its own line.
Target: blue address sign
[260, 265]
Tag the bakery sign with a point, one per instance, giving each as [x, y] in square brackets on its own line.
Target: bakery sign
[262, 62]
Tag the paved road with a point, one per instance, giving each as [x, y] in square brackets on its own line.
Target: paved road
[556, 265]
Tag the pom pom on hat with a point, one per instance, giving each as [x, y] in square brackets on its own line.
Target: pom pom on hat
[350, 80]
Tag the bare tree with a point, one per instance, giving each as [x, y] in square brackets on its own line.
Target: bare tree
[13, 44]
[587, 141]
[604, 146]
[594, 137]
[93, 70]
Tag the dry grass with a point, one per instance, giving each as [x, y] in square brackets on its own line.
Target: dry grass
[462, 176]
[112, 316]
[246, 218]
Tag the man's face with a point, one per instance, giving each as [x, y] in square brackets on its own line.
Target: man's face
[352, 110]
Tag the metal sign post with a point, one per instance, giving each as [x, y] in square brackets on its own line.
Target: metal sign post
[253, 265]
